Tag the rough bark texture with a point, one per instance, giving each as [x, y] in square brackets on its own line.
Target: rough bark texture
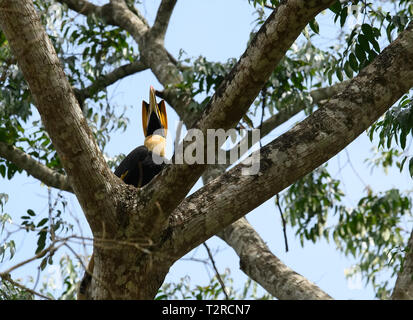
[403, 290]
[109, 78]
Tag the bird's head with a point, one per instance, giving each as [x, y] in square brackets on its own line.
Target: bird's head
[154, 123]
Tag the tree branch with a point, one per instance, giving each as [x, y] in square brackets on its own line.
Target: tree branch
[128, 20]
[284, 115]
[297, 152]
[230, 103]
[107, 79]
[221, 282]
[6, 277]
[258, 262]
[24, 161]
[163, 15]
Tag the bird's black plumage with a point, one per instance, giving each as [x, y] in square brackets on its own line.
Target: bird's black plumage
[138, 168]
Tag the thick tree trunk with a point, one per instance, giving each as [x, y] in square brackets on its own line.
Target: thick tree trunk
[124, 271]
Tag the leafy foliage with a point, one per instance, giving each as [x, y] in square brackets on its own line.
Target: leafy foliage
[397, 125]
[8, 291]
[373, 232]
[309, 201]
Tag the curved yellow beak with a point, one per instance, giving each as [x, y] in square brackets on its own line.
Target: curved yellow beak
[153, 108]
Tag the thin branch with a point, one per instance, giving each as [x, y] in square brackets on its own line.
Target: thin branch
[354, 169]
[163, 16]
[216, 271]
[229, 103]
[7, 277]
[299, 151]
[277, 202]
[260, 264]
[36, 169]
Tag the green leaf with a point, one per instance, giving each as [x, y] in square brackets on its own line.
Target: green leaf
[402, 163]
[353, 62]
[348, 70]
[43, 264]
[31, 212]
[42, 222]
[339, 74]
[403, 136]
[41, 242]
[376, 45]
[360, 54]
[336, 7]
[314, 26]
[343, 16]
[411, 167]
[364, 43]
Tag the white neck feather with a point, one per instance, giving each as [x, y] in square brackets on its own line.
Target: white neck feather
[156, 144]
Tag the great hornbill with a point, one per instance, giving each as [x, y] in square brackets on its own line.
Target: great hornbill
[139, 168]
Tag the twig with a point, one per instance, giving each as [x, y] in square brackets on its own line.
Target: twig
[354, 169]
[216, 271]
[277, 202]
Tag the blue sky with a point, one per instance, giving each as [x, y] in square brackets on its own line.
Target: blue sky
[220, 30]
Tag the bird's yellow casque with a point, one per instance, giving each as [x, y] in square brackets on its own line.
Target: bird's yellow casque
[138, 167]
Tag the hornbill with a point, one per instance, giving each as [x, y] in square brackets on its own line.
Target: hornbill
[139, 168]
